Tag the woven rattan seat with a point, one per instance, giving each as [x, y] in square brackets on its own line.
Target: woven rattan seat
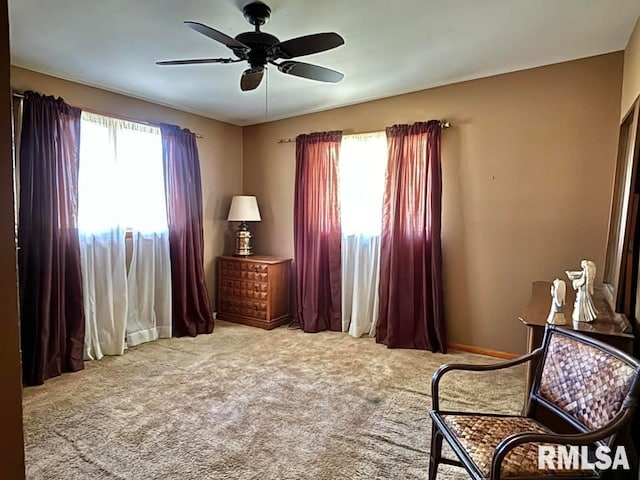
[479, 435]
[589, 387]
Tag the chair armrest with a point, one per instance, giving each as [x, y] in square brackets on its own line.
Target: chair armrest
[437, 376]
[589, 438]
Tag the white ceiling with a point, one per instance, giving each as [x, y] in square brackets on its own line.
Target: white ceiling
[391, 47]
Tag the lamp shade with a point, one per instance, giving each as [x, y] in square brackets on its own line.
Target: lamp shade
[244, 208]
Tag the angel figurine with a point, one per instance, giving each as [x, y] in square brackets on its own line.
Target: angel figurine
[582, 281]
[558, 293]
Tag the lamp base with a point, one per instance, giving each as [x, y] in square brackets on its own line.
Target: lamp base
[244, 247]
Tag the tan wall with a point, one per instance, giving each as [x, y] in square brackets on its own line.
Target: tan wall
[11, 445]
[220, 150]
[631, 77]
[528, 170]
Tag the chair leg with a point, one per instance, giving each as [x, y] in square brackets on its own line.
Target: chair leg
[435, 452]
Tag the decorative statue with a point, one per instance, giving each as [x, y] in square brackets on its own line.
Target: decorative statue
[558, 293]
[583, 308]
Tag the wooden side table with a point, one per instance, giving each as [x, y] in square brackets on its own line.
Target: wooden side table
[254, 290]
[610, 327]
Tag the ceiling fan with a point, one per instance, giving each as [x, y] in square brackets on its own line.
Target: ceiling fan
[260, 48]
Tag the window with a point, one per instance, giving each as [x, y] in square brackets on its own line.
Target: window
[363, 162]
[121, 178]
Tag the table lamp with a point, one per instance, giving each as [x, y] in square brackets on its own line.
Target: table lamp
[244, 208]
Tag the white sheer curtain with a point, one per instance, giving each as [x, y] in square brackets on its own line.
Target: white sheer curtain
[104, 284]
[149, 288]
[121, 186]
[363, 161]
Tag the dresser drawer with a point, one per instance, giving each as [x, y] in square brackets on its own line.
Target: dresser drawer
[241, 266]
[244, 266]
[243, 285]
[252, 294]
[248, 308]
[246, 303]
[243, 271]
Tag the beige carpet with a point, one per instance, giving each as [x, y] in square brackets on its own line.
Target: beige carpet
[244, 403]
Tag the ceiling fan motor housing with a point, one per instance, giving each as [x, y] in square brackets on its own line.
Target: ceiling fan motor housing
[261, 44]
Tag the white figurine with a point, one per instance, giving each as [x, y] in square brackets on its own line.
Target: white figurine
[558, 294]
[583, 308]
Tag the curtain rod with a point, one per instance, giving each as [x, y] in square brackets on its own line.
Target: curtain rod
[18, 94]
[443, 124]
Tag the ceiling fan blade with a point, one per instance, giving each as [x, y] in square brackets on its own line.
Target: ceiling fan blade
[251, 78]
[300, 46]
[313, 72]
[198, 61]
[216, 35]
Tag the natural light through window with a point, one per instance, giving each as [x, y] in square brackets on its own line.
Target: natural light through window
[363, 161]
[121, 178]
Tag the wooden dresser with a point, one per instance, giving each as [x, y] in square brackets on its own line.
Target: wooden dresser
[254, 290]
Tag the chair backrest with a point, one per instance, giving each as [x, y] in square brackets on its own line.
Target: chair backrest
[584, 380]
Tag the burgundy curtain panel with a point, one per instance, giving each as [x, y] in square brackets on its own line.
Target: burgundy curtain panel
[50, 280]
[317, 242]
[411, 299]
[183, 189]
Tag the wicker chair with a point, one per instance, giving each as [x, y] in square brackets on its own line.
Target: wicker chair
[591, 386]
